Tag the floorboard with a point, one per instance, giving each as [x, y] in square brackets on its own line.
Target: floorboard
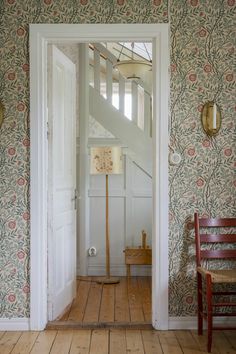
[146, 296]
[113, 341]
[93, 303]
[96, 305]
[44, 342]
[122, 312]
[151, 342]
[222, 343]
[169, 343]
[135, 301]
[202, 342]
[117, 341]
[8, 341]
[77, 309]
[62, 342]
[231, 336]
[80, 342]
[100, 342]
[25, 343]
[134, 342]
[107, 308]
[187, 341]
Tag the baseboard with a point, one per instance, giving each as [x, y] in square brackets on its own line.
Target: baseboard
[120, 270]
[190, 322]
[14, 324]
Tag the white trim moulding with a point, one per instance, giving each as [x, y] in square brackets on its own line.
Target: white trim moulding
[40, 36]
[15, 324]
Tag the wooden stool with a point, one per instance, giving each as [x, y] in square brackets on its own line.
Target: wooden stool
[141, 255]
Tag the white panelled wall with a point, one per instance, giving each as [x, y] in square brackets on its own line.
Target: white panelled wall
[130, 212]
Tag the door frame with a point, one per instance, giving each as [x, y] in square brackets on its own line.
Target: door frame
[40, 36]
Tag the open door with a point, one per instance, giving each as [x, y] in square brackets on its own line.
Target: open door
[62, 183]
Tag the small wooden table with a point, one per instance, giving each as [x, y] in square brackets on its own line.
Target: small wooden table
[141, 255]
[137, 256]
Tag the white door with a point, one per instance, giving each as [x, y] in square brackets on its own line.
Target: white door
[62, 183]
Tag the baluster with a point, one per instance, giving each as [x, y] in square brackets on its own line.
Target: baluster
[97, 70]
[121, 94]
[109, 69]
[147, 113]
[135, 102]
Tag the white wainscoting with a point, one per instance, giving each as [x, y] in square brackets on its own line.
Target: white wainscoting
[130, 212]
[15, 324]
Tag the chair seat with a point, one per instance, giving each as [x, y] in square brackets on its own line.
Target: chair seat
[219, 276]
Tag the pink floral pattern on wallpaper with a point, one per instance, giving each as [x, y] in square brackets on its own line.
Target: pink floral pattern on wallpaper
[202, 59]
[201, 70]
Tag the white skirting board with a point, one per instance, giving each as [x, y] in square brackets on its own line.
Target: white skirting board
[190, 322]
[118, 270]
[14, 324]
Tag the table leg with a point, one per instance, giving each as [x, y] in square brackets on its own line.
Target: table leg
[128, 270]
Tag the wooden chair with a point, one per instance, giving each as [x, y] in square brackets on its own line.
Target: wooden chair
[210, 277]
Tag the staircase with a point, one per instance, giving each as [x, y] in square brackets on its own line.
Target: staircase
[132, 133]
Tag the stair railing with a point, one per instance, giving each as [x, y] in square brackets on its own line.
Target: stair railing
[111, 76]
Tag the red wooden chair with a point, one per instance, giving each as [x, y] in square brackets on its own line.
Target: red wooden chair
[209, 277]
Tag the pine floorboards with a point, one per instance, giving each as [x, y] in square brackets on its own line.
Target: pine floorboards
[127, 303]
[114, 341]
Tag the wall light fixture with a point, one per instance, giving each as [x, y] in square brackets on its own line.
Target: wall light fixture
[211, 118]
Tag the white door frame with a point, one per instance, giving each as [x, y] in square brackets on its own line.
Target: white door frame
[40, 36]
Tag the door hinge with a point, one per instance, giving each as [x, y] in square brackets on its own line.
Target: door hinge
[48, 130]
[75, 199]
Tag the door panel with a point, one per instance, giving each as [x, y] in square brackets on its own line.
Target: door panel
[62, 183]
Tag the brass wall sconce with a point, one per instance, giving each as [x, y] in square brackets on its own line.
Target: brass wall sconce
[1, 113]
[211, 118]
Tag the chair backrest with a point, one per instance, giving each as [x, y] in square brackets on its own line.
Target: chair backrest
[224, 238]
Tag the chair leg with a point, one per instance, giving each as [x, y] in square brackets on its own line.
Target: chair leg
[209, 311]
[200, 305]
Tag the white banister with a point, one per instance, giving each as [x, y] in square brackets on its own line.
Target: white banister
[97, 69]
[144, 121]
[105, 52]
[109, 79]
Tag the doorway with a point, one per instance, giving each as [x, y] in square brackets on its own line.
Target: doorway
[119, 114]
[40, 36]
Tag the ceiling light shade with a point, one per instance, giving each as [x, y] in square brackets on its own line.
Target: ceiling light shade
[133, 69]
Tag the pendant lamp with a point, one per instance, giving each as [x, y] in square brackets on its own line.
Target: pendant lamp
[133, 69]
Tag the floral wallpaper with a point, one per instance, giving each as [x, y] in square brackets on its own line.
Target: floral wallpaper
[202, 59]
[202, 63]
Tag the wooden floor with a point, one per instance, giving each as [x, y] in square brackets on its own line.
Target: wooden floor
[97, 305]
[115, 341]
